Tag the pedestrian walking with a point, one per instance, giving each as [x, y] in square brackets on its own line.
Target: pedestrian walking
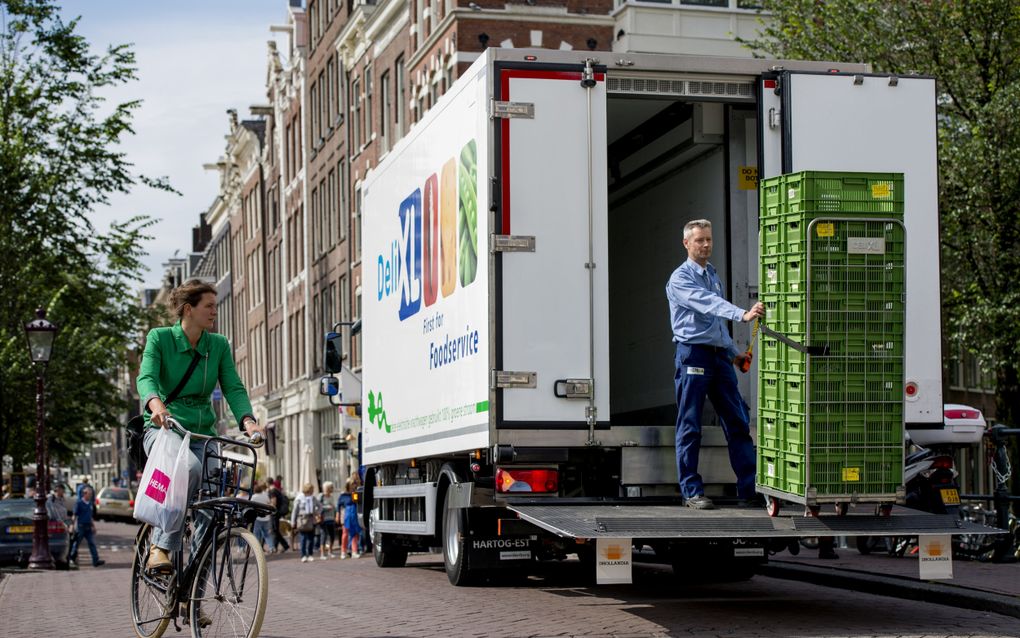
[304, 518]
[347, 515]
[705, 356]
[84, 528]
[264, 524]
[278, 499]
[169, 374]
[327, 528]
[56, 506]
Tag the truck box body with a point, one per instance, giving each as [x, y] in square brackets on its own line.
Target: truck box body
[517, 243]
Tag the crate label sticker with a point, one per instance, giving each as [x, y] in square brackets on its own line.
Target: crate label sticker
[865, 245]
[851, 474]
[881, 190]
[747, 178]
[791, 193]
[772, 275]
[826, 230]
[770, 470]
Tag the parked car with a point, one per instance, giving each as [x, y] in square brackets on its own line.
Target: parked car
[115, 503]
[16, 526]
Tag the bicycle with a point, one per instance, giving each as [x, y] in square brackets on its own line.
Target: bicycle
[221, 589]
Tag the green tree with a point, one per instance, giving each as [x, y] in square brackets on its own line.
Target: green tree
[972, 48]
[59, 160]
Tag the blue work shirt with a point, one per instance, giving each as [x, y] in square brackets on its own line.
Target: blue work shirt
[83, 512]
[697, 309]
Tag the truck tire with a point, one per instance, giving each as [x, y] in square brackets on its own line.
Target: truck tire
[385, 554]
[455, 555]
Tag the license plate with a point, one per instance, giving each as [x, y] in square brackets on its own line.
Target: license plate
[20, 529]
[950, 496]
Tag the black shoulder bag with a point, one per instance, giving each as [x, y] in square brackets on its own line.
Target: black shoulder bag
[136, 425]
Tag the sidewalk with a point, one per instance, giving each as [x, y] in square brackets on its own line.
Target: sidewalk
[975, 585]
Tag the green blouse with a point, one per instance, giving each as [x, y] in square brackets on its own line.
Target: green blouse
[166, 358]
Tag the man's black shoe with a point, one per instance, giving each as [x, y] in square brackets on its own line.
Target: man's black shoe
[99, 563]
[700, 502]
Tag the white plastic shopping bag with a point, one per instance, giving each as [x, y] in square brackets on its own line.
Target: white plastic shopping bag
[163, 491]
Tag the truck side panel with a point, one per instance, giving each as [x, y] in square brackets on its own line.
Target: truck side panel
[426, 336]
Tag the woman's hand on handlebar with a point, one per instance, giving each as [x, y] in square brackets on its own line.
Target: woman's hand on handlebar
[159, 412]
[251, 427]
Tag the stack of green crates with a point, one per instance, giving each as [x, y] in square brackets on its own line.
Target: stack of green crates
[832, 246]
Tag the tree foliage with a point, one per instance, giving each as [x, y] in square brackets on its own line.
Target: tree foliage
[972, 48]
[59, 160]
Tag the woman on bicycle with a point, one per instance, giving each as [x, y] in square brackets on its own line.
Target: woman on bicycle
[169, 353]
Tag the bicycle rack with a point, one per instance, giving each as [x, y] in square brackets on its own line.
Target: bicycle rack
[1001, 498]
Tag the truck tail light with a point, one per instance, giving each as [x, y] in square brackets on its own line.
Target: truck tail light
[533, 481]
[131, 503]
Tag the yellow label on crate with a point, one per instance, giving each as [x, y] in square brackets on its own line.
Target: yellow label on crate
[851, 474]
[747, 179]
[826, 230]
[881, 190]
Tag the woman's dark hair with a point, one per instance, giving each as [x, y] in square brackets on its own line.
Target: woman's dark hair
[188, 294]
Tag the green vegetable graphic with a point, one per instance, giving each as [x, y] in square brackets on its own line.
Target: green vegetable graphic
[468, 219]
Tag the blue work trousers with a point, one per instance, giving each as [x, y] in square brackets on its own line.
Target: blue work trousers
[708, 371]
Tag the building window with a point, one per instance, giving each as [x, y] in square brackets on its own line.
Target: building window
[356, 108]
[401, 94]
[356, 231]
[368, 105]
[343, 210]
[384, 129]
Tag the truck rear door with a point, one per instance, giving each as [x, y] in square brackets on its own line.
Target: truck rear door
[872, 123]
[551, 300]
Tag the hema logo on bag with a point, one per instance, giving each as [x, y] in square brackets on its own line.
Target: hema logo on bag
[158, 486]
[438, 243]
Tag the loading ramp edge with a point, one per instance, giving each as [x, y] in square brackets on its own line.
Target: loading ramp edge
[659, 521]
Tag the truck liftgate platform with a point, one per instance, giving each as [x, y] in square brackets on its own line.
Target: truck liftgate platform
[601, 519]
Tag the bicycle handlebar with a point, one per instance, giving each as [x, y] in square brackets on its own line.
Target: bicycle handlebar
[256, 440]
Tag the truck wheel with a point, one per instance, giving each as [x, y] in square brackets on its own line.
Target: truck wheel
[455, 555]
[386, 555]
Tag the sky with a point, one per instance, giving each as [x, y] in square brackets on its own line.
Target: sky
[195, 60]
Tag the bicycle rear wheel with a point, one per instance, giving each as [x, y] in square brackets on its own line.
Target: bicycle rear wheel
[149, 594]
[231, 586]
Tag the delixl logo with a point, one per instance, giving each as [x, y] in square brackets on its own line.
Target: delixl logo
[438, 243]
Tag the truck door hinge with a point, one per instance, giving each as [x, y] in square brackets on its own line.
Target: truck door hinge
[573, 388]
[508, 110]
[511, 243]
[502, 379]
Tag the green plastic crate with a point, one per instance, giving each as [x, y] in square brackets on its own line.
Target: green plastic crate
[770, 469]
[843, 472]
[774, 356]
[856, 432]
[830, 191]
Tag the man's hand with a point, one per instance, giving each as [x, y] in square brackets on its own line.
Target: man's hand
[743, 361]
[757, 310]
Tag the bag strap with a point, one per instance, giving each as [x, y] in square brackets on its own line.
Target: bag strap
[184, 380]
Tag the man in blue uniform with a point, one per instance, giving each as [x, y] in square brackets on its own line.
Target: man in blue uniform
[705, 356]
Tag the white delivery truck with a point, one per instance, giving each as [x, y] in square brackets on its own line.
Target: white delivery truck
[517, 393]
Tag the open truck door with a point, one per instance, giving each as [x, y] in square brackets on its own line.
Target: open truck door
[872, 123]
[551, 290]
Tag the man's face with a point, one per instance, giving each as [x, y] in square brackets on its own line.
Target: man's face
[699, 245]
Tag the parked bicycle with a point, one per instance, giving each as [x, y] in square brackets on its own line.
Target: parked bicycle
[221, 588]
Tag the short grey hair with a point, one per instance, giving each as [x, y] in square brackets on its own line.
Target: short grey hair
[695, 223]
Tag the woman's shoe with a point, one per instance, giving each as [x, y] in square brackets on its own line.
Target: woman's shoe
[158, 561]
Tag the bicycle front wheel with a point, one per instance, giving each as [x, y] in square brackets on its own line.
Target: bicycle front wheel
[228, 596]
[150, 595]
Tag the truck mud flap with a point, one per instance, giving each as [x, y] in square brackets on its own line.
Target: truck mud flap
[603, 520]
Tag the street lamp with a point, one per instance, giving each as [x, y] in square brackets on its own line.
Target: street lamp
[40, 346]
